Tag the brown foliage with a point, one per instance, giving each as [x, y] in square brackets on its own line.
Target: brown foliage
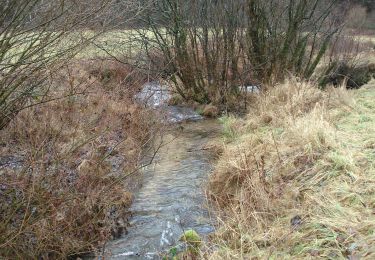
[63, 165]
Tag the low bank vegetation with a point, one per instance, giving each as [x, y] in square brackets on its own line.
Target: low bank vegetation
[71, 134]
[65, 164]
[297, 179]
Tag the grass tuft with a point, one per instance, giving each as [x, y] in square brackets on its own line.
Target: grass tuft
[298, 180]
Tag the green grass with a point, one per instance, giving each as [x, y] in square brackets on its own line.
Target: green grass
[229, 124]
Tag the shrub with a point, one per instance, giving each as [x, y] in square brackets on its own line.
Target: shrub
[65, 193]
[210, 49]
[353, 75]
[35, 40]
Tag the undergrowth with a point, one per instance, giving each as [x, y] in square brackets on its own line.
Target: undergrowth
[298, 179]
[64, 165]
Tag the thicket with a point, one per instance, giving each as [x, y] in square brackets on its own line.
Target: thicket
[36, 37]
[65, 165]
[70, 132]
[212, 48]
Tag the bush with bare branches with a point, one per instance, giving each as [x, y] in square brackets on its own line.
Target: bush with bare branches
[213, 47]
[65, 165]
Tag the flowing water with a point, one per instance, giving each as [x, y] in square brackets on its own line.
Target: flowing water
[171, 199]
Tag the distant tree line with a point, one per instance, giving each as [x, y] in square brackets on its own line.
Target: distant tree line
[369, 4]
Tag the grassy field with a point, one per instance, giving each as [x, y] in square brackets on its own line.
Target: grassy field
[119, 43]
[297, 177]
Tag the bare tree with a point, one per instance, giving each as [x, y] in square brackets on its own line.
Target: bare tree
[289, 36]
[36, 35]
[213, 47]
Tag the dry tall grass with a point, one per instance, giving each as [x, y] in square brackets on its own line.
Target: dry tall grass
[63, 165]
[298, 179]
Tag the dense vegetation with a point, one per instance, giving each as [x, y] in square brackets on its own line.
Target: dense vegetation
[296, 178]
[212, 48]
[71, 133]
[295, 173]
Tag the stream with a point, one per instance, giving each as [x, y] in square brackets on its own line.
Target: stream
[171, 199]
